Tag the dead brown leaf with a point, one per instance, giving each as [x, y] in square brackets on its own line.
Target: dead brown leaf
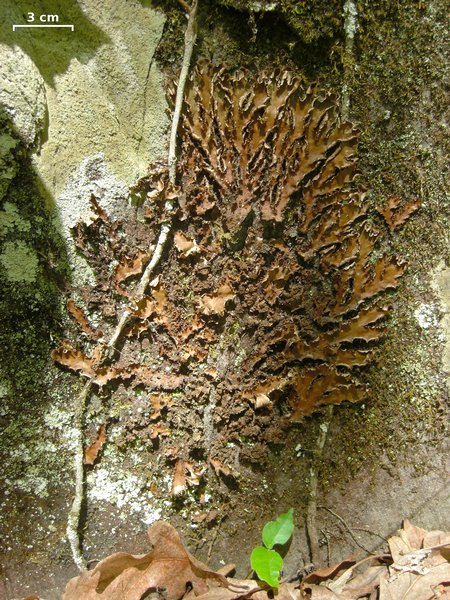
[327, 573]
[412, 539]
[365, 583]
[419, 564]
[318, 592]
[410, 586]
[420, 571]
[167, 566]
[92, 451]
[248, 588]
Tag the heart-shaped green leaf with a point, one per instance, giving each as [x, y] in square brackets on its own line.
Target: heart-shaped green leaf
[279, 531]
[267, 564]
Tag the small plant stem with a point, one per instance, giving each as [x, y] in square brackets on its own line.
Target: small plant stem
[311, 511]
[350, 25]
[189, 41]
[190, 37]
[73, 521]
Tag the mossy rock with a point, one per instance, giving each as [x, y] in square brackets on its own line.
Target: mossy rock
[309, 19]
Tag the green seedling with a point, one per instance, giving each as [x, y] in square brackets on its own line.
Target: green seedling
[266, 562]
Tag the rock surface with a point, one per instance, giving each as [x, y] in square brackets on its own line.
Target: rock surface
[90, 105]
[22, 93]
[103, 92]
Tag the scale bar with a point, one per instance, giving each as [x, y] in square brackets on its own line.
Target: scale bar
[26, 26]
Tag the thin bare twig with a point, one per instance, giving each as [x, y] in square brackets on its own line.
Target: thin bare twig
[311, 510]
[344, 523]
[108, 351]
[213, 541]
[73, 521]
[327, 540]
[371, 533]
[189, 41]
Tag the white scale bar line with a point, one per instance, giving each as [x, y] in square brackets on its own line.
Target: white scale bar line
[17, 26]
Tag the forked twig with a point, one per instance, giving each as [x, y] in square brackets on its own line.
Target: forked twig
[347, 527]
[108, 351]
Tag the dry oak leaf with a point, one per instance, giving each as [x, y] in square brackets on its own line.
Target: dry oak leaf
[420, 571]
[168, 566]
[315, 585]
[248, 589]
[421, 565]
[318, 592]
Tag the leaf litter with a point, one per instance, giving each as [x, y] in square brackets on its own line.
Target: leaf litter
[416, 567]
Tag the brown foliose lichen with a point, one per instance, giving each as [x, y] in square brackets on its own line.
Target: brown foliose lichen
[267, 303]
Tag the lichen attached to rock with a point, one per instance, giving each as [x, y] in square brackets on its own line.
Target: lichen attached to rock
[266, 306]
